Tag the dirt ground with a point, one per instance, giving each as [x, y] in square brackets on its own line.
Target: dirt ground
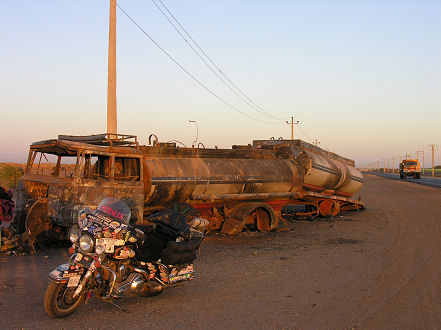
[376, 269]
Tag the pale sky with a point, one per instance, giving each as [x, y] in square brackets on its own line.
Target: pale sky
[362, 77]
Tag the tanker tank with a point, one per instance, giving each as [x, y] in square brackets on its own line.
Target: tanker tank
[250, 184]
[324, 171]
[182, 174]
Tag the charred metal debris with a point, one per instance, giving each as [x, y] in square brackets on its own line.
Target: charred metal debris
[247, 186]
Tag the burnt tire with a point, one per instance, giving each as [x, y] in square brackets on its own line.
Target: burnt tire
[58, 301]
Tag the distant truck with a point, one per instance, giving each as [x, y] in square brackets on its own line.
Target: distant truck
[410, 167]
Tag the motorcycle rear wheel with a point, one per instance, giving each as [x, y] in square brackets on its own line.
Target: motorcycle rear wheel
[58, 300]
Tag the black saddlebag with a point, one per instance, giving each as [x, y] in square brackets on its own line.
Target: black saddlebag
[151, 249]
[160, 239]
[177, 253]
[169, 224]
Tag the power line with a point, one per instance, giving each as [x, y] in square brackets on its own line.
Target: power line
[206, 63]
[244, 97]
[188, 73]
[304, 133]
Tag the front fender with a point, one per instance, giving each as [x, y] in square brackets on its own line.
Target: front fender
[62, 273]
[57, 274]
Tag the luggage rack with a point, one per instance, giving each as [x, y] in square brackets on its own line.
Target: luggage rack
[105, 139]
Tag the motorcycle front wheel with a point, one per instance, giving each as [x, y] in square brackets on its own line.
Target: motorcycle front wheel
[59, 301]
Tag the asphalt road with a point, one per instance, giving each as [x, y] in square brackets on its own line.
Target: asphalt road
[427, 181]
[375, 269]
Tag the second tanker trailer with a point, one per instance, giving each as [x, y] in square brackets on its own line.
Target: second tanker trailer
[232, 188]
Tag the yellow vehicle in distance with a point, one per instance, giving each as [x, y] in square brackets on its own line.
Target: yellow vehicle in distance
[410, 167]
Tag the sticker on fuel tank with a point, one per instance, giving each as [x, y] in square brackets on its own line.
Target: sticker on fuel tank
[63, 267]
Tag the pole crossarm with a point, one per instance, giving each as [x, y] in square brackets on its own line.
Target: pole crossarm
[292, 123]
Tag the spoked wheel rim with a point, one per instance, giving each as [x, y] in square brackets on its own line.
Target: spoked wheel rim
[37, 221]
[65, 300]
[59, 301]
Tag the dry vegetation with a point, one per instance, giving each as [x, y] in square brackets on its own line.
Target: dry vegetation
[10, 173]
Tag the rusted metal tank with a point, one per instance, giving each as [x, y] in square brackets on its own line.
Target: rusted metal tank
[323, 171]
[272, 173]
[329, 179]
[274, 167]
[181, 174]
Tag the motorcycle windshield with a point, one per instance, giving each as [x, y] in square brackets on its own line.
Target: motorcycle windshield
[115, 209]
[100, 225]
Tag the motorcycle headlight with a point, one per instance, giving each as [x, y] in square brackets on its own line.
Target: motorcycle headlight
[86, 243]
[74, 236]
[99, 249]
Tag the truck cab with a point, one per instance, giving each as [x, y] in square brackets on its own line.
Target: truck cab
[68, 174]
[410, 167]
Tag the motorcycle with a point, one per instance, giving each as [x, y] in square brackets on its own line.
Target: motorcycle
[112, 259]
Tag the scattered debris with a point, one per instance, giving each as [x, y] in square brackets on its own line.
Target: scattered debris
[6, 286]
[12, 243]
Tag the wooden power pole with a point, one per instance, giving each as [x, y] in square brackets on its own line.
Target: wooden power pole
[292, 123]
[433, 158]
[111, 74]
[418, 158]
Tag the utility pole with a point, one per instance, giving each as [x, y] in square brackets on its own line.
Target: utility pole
[433, 158]
[393, 164]
[316, 142]
[111, 74]
[384, 165]
[292, 123]
[418, 159]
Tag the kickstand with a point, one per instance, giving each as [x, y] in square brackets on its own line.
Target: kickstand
[119, 307]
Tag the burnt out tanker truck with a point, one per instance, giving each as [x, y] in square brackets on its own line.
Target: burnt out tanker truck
[247, 185]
